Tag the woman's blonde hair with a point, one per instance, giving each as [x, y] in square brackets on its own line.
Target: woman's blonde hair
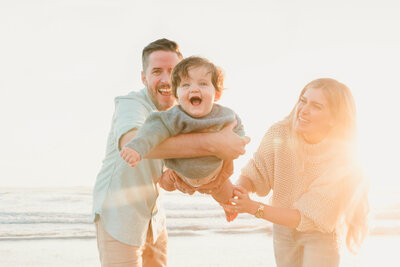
[344, 134]
[341, 104]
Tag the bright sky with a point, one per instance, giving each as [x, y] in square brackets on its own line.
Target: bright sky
[62, 63]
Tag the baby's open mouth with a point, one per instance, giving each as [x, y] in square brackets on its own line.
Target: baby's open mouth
[195, 100]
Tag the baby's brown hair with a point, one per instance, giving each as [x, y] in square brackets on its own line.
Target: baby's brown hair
[181, 70]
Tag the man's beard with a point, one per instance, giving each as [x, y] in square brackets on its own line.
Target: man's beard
[153, 96]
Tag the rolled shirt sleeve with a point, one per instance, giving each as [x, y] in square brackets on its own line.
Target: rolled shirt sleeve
[128, 115]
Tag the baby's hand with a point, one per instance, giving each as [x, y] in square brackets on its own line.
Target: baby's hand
[130, 155]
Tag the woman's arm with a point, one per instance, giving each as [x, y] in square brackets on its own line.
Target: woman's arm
[243, 204]
[245, 183]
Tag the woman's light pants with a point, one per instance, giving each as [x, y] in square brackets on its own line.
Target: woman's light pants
[298, 249]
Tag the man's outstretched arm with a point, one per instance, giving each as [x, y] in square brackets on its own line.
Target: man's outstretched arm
[225, 144]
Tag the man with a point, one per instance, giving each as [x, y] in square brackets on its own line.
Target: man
[130, 224]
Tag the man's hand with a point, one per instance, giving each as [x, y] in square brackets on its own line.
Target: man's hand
[224, 174]
[227, 145]
[130, 155]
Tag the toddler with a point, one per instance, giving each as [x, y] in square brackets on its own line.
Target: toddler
[197, 84]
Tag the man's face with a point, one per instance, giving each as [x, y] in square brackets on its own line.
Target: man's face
[157, 78]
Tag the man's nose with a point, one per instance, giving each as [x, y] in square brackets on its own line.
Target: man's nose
[165, 77]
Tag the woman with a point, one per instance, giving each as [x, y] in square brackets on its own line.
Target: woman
[319, 192]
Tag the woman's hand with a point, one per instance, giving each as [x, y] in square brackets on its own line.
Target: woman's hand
[241, 202]
[224, 174]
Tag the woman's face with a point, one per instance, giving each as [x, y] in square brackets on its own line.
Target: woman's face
[313, 116]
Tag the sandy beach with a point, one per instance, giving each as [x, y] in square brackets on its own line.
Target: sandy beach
[52, 227]
[187, 251]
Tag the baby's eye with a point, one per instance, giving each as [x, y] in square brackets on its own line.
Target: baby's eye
[185, 85]
[203, 84]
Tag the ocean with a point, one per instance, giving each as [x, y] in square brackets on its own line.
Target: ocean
[64, 213]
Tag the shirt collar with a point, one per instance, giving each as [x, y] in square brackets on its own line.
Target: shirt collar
[145, 93]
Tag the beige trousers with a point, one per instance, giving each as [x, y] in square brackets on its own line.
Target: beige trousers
[297, 249]
[117, 254]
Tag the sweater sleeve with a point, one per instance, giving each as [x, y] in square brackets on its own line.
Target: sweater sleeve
[158, 127]
[152, 133]
[324, 206]
[259, 168]
[239, 129]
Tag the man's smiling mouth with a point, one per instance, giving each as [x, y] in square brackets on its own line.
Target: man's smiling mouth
[165, 91]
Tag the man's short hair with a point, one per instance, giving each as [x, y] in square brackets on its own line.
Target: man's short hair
[160, 44]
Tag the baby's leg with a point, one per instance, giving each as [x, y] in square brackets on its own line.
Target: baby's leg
[224, 192]
[222, 195]
[167, 180]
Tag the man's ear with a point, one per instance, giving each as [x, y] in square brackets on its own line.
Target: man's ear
[218, 95]
[143, 78]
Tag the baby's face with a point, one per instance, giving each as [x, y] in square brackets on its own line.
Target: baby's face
[196, 93]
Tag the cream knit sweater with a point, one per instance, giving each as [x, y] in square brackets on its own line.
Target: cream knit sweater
[326, 188]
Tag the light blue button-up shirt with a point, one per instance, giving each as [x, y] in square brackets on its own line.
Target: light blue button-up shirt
[127, 198]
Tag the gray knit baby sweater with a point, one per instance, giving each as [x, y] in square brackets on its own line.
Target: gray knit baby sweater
[161, 125]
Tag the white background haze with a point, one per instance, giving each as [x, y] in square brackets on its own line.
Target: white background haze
[62, 63]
